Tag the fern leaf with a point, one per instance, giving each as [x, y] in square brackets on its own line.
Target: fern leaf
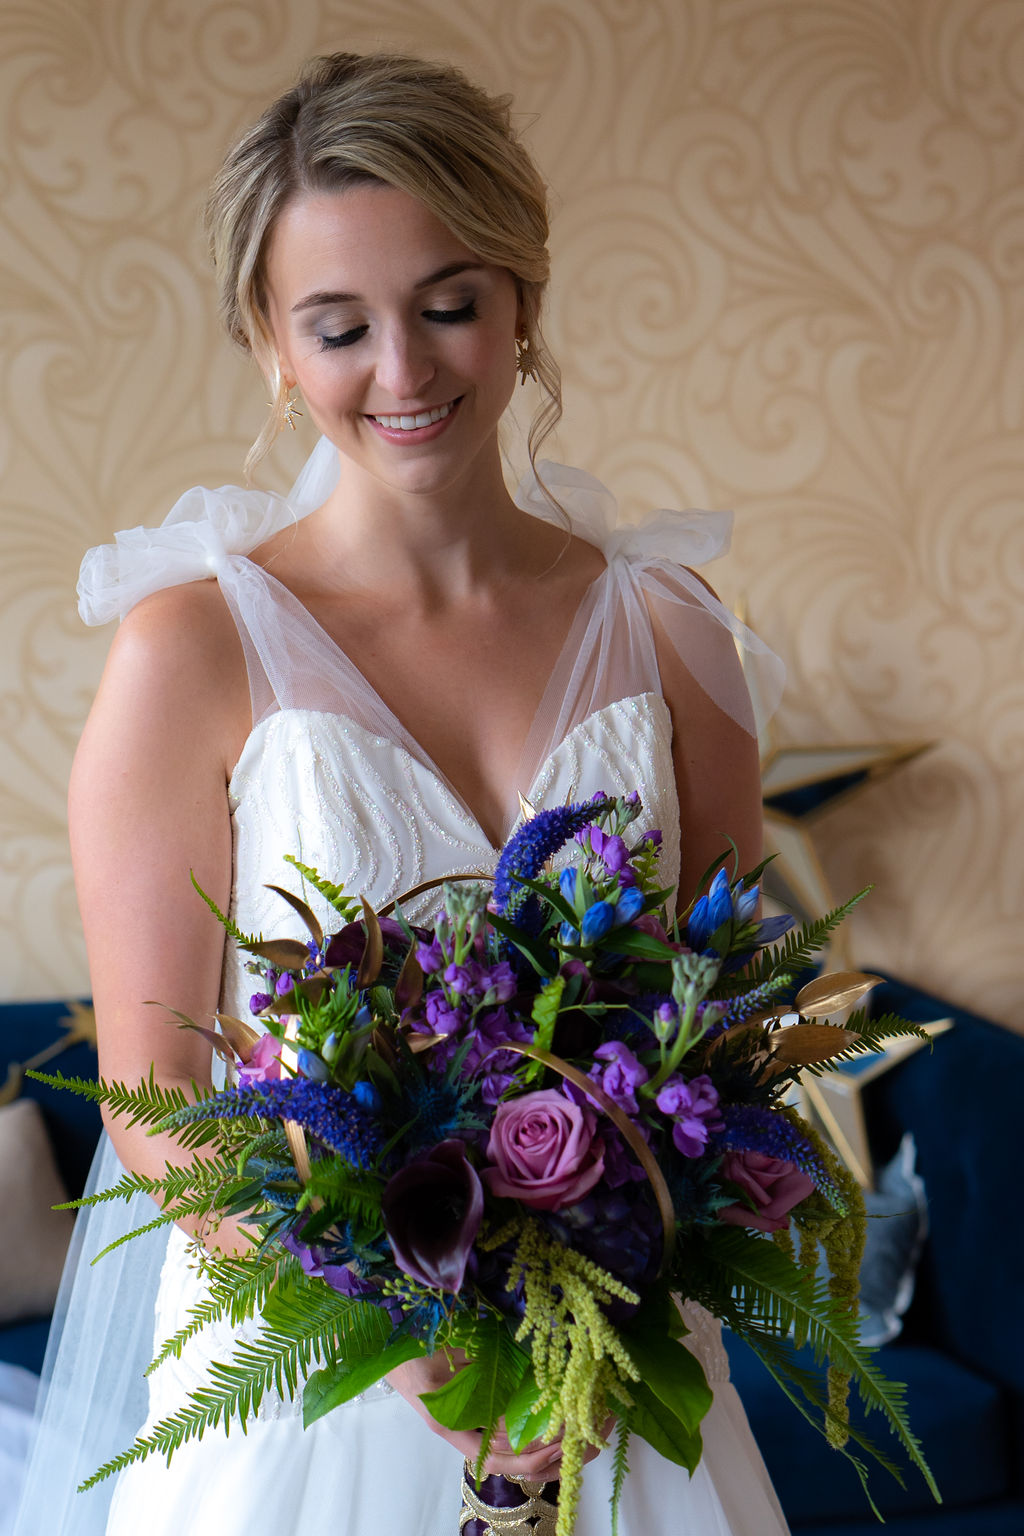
[308, 1323]
[870, 1035]
[244, 940]
[620, 1471]
[334, 894]
[771, 1294]
[797, 951]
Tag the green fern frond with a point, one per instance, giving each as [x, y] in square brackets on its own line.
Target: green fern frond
[245, 940]
[334, 894]
[871, 1035]
[771, 1295]
[147, 1104]
[620, 1471]
[238, 1288]
[303, 1323]
[798, 949]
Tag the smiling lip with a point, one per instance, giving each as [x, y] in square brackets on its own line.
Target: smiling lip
[418, 426]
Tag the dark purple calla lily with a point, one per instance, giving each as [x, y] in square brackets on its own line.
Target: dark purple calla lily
[346, 946]
[432, 1209]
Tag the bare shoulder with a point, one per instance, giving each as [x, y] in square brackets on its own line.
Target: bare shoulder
[175, 676]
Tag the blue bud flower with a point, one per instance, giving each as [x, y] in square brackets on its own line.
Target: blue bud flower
[567, 934]
[366, 1095]
[629, 905]
[719, 901]
[567, 884]
[745, 903]
[596, 921]
[312, 1066]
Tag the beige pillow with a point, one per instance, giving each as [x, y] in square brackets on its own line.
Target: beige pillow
[33, 1238]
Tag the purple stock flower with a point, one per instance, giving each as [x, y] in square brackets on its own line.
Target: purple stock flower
[432, 1209]
[622, 1075]
[444, 1018]
[431, 957]
[693, 1106]
[606, 846]
[340, 1277]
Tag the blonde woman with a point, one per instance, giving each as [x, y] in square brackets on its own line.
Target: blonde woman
[368, 672]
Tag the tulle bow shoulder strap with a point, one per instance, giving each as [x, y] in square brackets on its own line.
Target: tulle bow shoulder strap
[204, 534]
[650, 573]
[684, 538]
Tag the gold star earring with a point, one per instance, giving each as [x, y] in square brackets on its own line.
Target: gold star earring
[289, 412]
[526, 363]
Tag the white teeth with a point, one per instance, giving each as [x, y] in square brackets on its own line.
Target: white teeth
[410, 423]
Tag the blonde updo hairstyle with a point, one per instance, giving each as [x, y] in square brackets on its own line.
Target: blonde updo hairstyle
[409, 123]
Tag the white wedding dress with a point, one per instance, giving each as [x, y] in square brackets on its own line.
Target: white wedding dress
[329, 775]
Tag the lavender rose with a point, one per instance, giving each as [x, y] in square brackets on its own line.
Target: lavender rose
[544, 1150]
[773, 1184]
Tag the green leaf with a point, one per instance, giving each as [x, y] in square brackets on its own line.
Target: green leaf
[672, 1373]
[524, 1420]
[245, 940]
[537, 952]
[477, 1395]
[632, 941]
[659, 1426]
[330, 1388]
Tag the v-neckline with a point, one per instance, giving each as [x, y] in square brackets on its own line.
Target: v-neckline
[404, 739]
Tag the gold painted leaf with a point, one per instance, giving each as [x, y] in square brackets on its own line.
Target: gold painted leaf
[409, 986]
[373, 951]
[418, 1043]
[239, 1035]
[801, 1045]
[833, 993]
[309, 917]
[312, 989]
[286, 954]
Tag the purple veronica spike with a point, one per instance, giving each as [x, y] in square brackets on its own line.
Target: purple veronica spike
[527, 851]
[752, 1128]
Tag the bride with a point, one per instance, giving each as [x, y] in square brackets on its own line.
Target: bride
[367, 674]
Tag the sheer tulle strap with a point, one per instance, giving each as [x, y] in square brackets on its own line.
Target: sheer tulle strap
[197, 539]
[685, 538]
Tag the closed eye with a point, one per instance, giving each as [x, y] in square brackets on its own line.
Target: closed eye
[452, 316]
[345, 339]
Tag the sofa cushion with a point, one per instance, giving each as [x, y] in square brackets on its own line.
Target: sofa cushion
[962, 1102]
[958, 1416]
[33, 1237]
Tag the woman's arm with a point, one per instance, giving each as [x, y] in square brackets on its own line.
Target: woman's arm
[148, 804]
[717, 765]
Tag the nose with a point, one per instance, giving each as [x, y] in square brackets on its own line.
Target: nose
[405, 364]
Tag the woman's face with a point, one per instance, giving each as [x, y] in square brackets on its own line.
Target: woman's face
[400, 340]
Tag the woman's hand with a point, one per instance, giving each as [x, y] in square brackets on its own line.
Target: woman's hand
[541, 1461]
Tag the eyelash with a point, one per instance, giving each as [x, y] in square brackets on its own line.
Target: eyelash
[461, 316]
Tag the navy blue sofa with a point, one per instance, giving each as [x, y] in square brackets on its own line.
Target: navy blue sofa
[73, 1124]
[961, 1353]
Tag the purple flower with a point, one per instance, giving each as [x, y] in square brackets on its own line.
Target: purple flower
[430, 956]
[772, 1187]
[462, 978]
[443, 1017]
[622, 1076]
[259, 1001]
[498, 982]
[285, 983]
[606, 846]
[264, 1065]
[693, 1106]
[544, 1150]
[432, 1209]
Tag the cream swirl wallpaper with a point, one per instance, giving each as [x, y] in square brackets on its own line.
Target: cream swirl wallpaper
[788, 248]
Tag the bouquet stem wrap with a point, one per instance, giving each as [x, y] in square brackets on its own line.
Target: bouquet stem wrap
[511, 1506]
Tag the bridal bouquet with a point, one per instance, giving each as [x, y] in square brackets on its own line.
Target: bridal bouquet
[520, 1135]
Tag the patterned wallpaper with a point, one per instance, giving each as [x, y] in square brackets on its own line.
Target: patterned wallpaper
[789, 258]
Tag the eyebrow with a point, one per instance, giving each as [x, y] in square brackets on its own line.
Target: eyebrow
[453, 269]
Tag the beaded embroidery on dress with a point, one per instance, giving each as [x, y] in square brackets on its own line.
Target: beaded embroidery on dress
[330, 775]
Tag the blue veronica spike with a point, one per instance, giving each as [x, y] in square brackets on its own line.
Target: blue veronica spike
[753, 1128]
[330, 1114]
[527, 851]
